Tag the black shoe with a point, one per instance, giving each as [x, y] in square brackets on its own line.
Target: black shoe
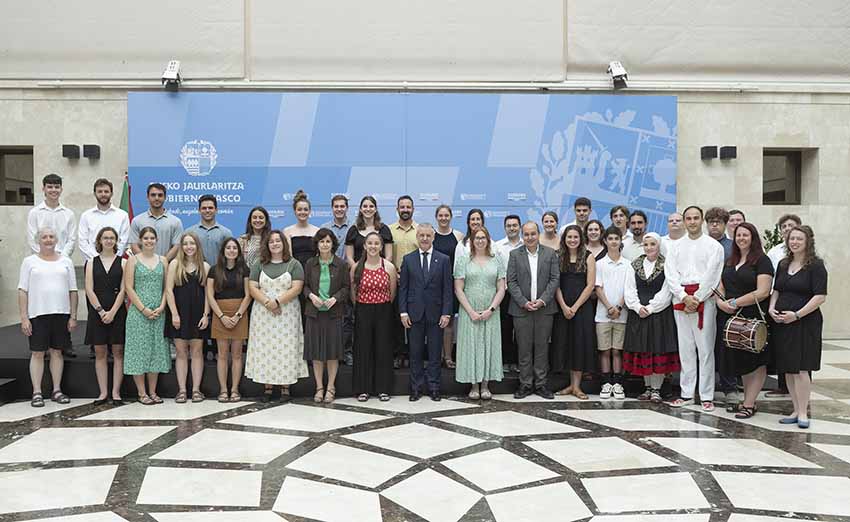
[69, 352]
[100, 402]
[435, 396]
[91, 352]
[116, 402]
[544, 392]
[522, 392]
[348, 359]
[415, 396]
[397, 363]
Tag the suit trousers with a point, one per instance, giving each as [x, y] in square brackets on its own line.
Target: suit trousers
[416, 335]
[532, 338]
[696, 351]
[509, 355]
[373, 348]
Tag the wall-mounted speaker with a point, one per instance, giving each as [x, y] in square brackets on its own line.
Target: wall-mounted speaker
[708, 152]
[91, 151]
[71, 151]
[728, 152]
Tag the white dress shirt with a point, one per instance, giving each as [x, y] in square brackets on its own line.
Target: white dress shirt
[532, 263]
[694, 261]
[660, 301]
[611, 277]
[430, 253]
[776, 254]
[504, 248]
[632, 249]
[93, 220]
[60, 219]
[667, 243]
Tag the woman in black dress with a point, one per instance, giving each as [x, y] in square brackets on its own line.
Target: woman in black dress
[798, 293]
[445, 241]
[593, 239]
[746, 280]
[368, 221]
[188, 313]
[300, 235]
[651, 343]
[107, 314]
[574, 331]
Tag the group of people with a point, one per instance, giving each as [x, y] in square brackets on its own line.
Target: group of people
[584, 298]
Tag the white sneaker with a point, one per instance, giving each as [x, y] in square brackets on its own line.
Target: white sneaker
[606, 391]
[619, 392]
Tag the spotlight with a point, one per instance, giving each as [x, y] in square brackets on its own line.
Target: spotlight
[618, 74]
[171, 78]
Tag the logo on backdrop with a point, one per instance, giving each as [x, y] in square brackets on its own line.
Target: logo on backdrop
[198, 157]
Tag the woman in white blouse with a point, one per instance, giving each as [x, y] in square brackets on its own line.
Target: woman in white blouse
[47, 300]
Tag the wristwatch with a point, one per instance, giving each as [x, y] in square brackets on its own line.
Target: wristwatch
[492, 309]
[221, 315]
[796, 316]
[98, 309]
[239, 315]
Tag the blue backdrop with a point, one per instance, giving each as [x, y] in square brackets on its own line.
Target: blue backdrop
[504, 153]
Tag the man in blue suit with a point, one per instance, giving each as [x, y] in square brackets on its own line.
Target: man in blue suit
[425, 306]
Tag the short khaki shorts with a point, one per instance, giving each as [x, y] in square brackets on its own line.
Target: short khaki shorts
[610, 336]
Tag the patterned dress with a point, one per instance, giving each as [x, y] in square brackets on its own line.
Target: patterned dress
[479, 344]
[146, 350]
[276, 342]
[250, 249]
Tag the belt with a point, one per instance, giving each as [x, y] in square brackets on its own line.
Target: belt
[691, 290]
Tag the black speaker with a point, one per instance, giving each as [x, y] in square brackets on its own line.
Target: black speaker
[708, 152]
[71, 151]
[728, 152]
[91, 151]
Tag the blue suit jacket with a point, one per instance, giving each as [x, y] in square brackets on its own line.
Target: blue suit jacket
[420, 297]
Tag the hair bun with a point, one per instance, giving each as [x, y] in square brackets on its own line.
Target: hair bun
[300, 195]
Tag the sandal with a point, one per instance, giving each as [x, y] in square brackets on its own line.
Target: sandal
[656, 397]
[330, 395]
[284, 393]
[37, 400]
[486, 394]
[180, 398]
[235, 397]
[580, 395]
[267, 394]
[363, 397]
[646, 395]
[474, 394]
[60, 397]
[565, 391]
[156, 399]
[146, 400]
[734, 408]
[197, 396]
[223, 397]
[745, 412]
[319, 396]
[383, 397]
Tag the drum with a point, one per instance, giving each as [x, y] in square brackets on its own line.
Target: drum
[745, 334]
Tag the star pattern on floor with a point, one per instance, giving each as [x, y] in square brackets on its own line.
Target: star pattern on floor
[453, 461]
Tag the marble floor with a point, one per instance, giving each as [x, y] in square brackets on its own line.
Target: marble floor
[456, 460]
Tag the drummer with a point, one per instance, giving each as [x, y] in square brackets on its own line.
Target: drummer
[746, 280]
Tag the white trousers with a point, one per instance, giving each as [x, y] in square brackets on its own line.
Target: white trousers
[696, 350]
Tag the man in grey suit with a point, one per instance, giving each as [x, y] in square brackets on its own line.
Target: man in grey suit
[533, 277]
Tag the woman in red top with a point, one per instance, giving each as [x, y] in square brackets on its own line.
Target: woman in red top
[373, 287]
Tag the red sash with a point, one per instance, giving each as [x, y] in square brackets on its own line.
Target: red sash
[691, 290]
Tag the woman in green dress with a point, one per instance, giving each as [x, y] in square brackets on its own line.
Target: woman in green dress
[480, 287]
[146, 353]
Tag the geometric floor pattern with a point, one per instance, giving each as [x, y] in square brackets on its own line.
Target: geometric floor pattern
[454, 461]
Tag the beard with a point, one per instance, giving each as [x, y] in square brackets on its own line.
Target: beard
[405, 216]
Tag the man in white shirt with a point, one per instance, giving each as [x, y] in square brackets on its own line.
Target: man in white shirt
[633, 246]
[786, 223]
[504, 247]
[611, 273]
[582, 208]
[675, 232]
[52, 214]
[692, 271]
[104, 214]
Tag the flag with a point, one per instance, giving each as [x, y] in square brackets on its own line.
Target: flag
[126, 205]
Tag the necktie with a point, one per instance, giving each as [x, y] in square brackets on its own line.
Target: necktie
[425, 263]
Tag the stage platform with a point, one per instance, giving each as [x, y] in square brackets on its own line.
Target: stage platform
[79, 379]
